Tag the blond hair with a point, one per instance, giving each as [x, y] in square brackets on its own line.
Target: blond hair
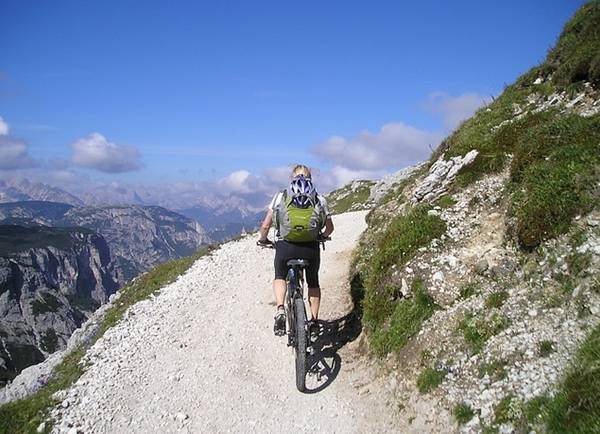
[301, 169]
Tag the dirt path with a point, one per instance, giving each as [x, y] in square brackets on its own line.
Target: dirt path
[201, 356]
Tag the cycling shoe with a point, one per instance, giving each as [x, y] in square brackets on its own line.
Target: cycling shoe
[279, 326]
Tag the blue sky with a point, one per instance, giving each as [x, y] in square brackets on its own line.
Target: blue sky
[192, 91]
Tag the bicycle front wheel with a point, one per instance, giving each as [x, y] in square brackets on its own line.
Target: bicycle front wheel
[301, 343]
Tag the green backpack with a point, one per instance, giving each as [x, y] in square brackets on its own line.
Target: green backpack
[298, 225]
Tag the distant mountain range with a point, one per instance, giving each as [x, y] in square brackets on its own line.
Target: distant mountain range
[222, 224]
[221, 217]
[20, 190]
[139, 236]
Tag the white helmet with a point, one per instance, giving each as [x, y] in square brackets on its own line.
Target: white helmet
[303, 191]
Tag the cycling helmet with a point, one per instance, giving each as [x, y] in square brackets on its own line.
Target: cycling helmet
[303, 191]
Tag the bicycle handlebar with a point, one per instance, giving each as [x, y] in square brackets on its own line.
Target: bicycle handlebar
[268, 244]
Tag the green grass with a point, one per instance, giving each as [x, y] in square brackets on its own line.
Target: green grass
[445, 201]
[545, 348]
[496, 299]
[382, 303]
[495, 370]
[403, 237]
[554, 171]
[468, 290]
[576, 407]
[25, 415]
[508, 410]
[578, 263]
[342, 200]
[576, 56]
[554, 175]
[429, 379]
[478, 330]
[463, 413]
[403, 322]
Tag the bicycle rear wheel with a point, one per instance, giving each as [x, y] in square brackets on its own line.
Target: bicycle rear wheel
[301, 343]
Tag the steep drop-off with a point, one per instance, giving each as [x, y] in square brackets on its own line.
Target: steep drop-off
[51, 280]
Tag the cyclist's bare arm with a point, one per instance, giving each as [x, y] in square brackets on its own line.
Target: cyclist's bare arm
[266, 225]
[328, 227]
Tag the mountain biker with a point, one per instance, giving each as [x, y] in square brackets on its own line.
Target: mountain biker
[300, 187]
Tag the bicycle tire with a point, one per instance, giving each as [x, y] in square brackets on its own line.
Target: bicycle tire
[301, 343]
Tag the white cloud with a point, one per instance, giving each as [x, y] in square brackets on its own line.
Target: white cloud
[254, 187]
[3, 127]
[237, 182]
[395, 145]
[13, 152]
[455, 109]
[96, 152]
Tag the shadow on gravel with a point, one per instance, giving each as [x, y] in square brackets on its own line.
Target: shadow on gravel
[325, 362]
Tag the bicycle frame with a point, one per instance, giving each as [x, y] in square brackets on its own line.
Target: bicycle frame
[294, 290]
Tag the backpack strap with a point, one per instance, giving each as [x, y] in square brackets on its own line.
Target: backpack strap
[280, 200]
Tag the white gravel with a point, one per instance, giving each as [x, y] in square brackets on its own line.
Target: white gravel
[201, 356]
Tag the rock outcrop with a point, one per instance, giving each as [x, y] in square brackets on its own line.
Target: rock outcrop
[440, 176]
[51, 280]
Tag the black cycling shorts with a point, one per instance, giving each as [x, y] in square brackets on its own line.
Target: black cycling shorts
[284, 251]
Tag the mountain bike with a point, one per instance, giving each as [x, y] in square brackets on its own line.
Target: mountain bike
[298, 333]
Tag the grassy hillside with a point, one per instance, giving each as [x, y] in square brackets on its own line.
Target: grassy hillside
[431, 286]
[352, 197]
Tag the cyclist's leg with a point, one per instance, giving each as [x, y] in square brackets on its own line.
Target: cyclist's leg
[279, 291]
[314, 299]
[280, 264]
[279, 288]
[314, 289]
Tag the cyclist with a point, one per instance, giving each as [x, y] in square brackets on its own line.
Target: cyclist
[300, 187]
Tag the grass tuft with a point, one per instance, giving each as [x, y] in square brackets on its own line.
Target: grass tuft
[445, 201]
[429, 379]
[404, 321]
[463, 413]
[509, 409]
[496, 299]
[545, 348]
[468, 290]
[495, 370]
[477, 330]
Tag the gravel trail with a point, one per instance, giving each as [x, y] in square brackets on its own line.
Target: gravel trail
[201, 356]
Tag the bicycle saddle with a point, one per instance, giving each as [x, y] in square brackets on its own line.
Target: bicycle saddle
[298, 263]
